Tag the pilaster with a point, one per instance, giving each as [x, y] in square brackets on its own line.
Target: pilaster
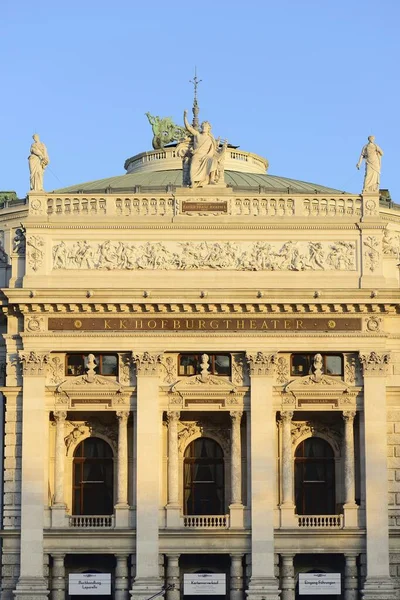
[32, 583]
[378, 584]
[371, 228]
[148, 459]
[263, 583]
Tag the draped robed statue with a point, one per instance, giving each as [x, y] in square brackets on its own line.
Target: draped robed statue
[372, 155]
[206, 160]
[38, 161]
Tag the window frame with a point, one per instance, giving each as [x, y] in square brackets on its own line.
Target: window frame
[311, 355]
[99, 357]
[212, 357]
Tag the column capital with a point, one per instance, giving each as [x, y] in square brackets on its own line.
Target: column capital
[147, 363]
[374, 364]
[33, 363]
[173, 416]
[348, 415]
[236, 415]
[287, 416]
[261, 364]
[122, 415]
[60, 416]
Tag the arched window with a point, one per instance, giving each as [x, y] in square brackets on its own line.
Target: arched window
[93, 478]
[203, 475]
[314, 470]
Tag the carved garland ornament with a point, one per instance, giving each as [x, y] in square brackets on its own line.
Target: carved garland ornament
[371, 254]
[35, 252]
[244, 256]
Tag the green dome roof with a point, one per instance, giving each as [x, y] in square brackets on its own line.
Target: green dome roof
[160, 180]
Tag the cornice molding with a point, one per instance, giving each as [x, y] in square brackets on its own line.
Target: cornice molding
[300, 308]
[188, 223]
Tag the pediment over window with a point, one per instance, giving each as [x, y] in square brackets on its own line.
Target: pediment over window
[205, 389]
[321, 389]
[90, 389]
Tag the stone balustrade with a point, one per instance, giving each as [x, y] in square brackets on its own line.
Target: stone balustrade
[206, 522]
[92, 522]
[320, 521]
[170, 205]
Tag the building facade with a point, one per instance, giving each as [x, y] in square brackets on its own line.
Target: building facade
[200, 380]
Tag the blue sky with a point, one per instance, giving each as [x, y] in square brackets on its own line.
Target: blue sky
[301, 82]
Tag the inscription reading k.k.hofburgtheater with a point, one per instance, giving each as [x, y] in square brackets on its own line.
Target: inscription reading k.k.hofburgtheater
[204, 324]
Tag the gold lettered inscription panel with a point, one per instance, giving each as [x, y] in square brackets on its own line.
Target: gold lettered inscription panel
[205, 207]
[204, 324]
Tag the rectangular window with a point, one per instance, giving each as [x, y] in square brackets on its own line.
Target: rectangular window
[190, 364]
[303, 364]
[106, 364]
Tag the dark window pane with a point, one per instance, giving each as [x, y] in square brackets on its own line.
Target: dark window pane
[109, 365]
[222, 364]
[75, 365]
[333, 365]
[301, 364]
[93, 478]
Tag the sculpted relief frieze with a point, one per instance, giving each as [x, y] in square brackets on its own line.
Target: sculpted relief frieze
[241, 256]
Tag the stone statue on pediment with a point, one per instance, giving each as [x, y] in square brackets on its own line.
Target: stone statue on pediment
[38, 161]
[372, 155]
[204, 155]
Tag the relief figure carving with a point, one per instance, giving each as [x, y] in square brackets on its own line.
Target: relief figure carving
[235, 256]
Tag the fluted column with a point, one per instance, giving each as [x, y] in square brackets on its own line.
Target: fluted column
[287, 504]
[350, 577]
[263, 583]
[236, 577]
[121, 577]
[58, 577]
[173, 579]
[287, 577]
[378, 583]
[122, 490]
